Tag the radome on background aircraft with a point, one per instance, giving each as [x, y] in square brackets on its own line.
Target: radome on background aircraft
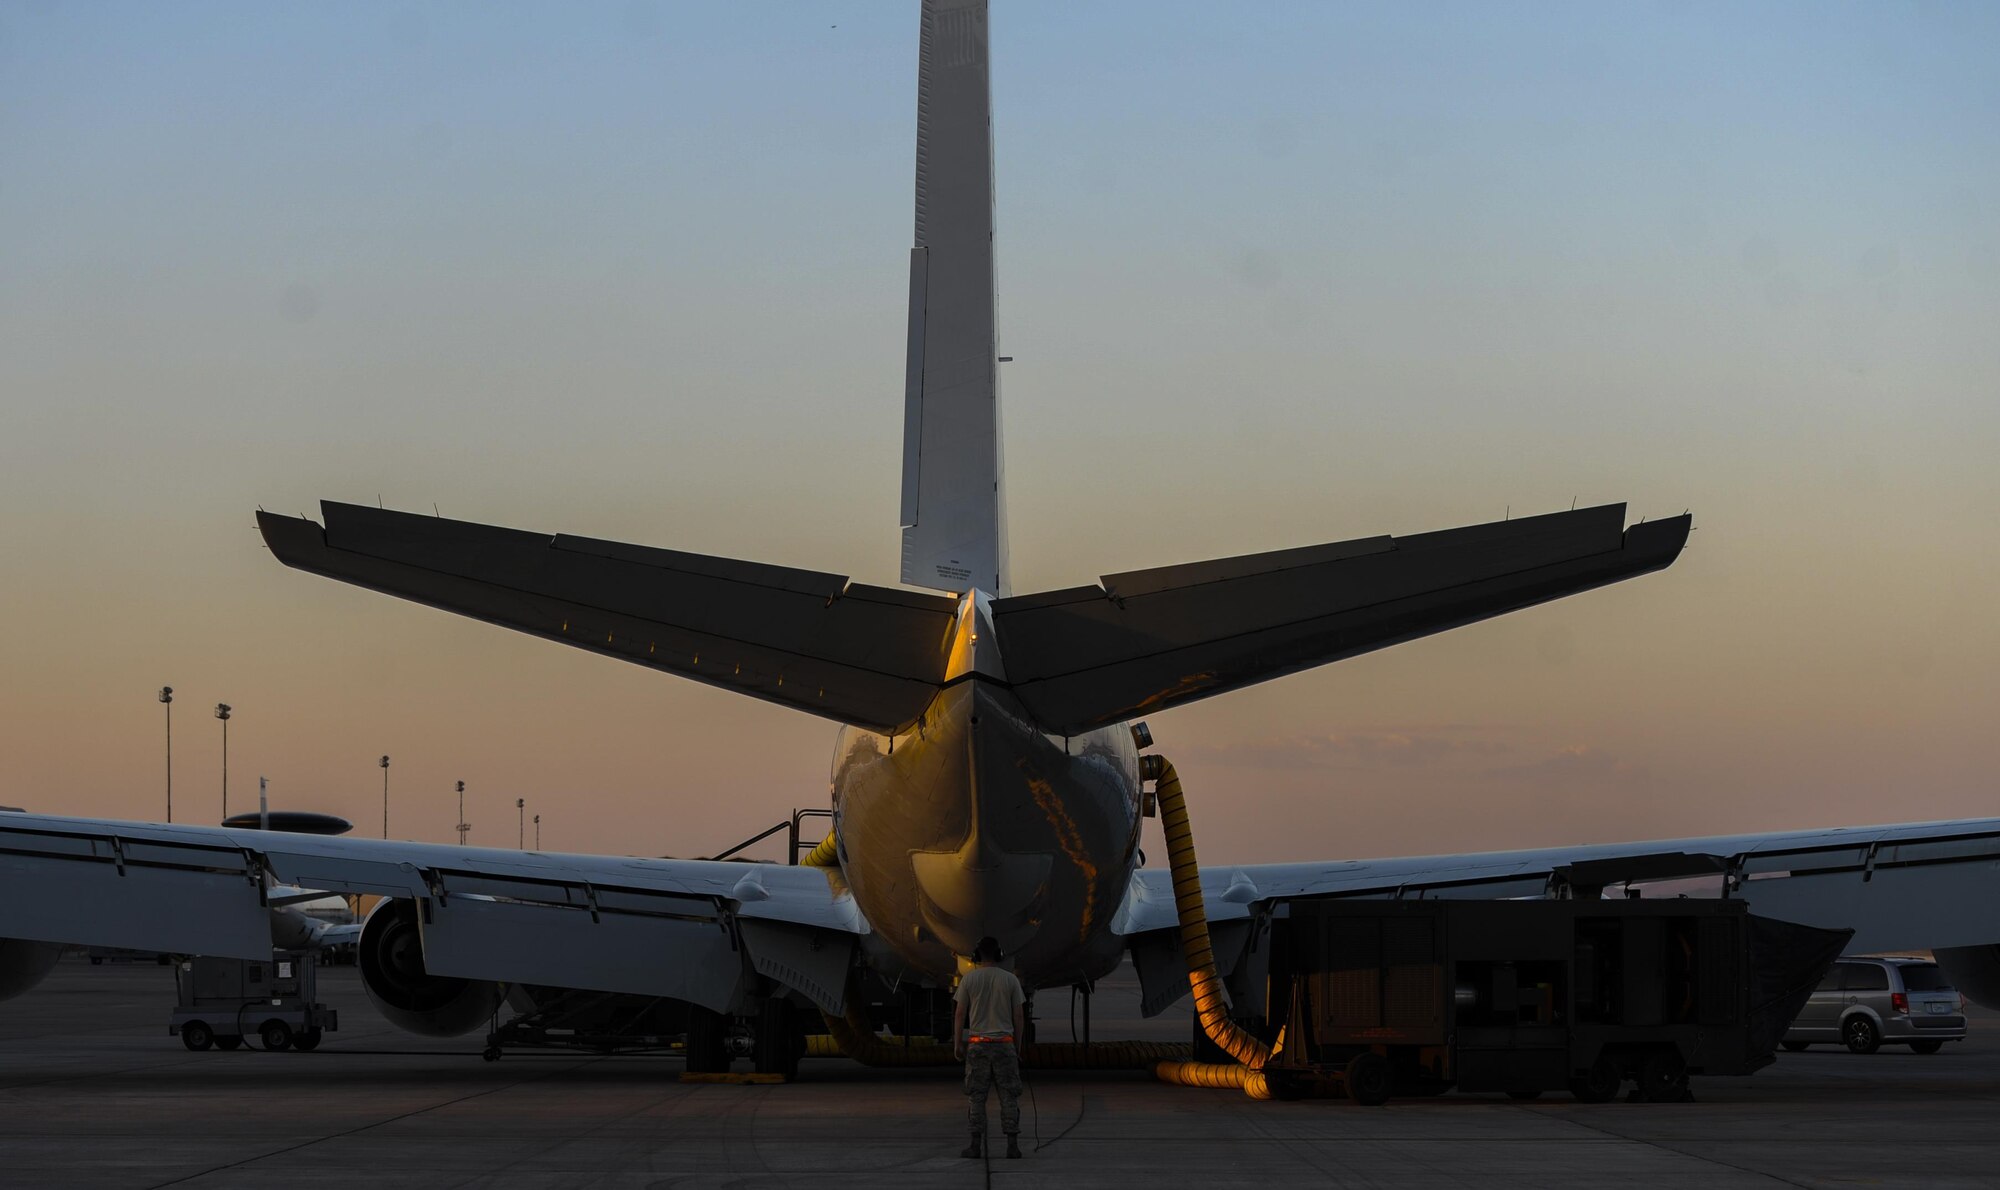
[985, 780]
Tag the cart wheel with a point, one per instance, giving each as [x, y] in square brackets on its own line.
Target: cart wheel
[233, 1041]
[1524, 1096]
[276, 1035]
[1663, 1077]
[1368, 1079]
[197, 1036]
[1794, 1047]
[1599, 1084]
[491, 1053]
[307, 1041]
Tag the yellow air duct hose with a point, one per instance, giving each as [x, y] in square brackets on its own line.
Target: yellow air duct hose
[826, 855]
[1203, 981]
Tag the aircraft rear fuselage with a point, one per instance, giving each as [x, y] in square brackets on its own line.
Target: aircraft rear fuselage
[976, 823]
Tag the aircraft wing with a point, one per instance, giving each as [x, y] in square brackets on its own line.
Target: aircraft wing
[696, 930]
[1140, 642]
[870, 656]
[1908, 886]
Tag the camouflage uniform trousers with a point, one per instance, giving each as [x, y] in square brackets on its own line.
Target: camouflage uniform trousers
[990, 1064]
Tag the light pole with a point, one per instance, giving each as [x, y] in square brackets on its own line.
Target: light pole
[385, 797]
[167, 697]
[538, 832]
[521, 838]
[463, 826]
[222, 713]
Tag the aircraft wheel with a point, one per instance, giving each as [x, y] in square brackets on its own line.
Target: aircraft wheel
[779, 1043]
[276, 1036]
[225, 1044]
[1368, 1079]
[1926, 1047]
[1861, 1035]
[1599, 1084]
[1796, 1047]
[197, 1036]
[308, 1041]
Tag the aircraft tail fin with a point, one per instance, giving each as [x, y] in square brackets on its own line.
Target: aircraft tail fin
[954, 526]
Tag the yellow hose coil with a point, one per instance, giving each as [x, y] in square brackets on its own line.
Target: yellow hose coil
[825, 855]
[1202, 978]
[1214, 1074]
[1203, 981]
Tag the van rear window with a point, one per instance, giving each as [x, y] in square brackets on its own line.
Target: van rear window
[1925, 977]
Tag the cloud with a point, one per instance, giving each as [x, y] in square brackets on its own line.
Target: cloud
[1367, 749]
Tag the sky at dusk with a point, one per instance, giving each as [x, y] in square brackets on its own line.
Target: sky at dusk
[1271, 275]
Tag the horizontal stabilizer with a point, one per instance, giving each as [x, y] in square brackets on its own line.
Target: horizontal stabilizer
[1141, 642]
[871, 656]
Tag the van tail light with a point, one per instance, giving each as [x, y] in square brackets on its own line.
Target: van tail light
[1899, 1002]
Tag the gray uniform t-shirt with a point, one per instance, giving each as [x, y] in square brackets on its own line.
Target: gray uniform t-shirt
[990, 996]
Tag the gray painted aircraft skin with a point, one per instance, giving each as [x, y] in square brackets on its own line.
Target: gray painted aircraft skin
[985, 780]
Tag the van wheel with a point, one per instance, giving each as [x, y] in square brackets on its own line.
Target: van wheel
[197, 1036]
[1796, 1047]
[1599, 1084]
[1926, 1047]
[1861, 1035]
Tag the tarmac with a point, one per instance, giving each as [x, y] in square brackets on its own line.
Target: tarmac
[94, 1093]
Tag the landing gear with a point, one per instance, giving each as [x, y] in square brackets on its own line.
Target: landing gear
[707, 1041]
[780, 1045]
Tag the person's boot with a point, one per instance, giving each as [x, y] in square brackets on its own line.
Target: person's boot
[1013, 1144]
[973, 1149]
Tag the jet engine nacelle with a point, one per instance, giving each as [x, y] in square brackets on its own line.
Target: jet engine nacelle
[1974, 971]
[23, 964]
[391, 958]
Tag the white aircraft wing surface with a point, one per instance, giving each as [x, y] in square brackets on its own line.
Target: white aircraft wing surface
[1906, 886]
[695, 930]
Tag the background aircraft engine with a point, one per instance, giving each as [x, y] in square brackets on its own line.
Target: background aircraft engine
[391, 958]
[1974, 971]
[23, 964]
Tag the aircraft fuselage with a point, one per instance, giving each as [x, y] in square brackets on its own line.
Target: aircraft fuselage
[975, 822]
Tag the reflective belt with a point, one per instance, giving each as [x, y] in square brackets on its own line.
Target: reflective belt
[985, 1038]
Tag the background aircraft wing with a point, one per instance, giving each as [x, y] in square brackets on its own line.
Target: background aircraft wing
[694, 930]
[1908, 886]
[870, 656]
[1140, 642]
